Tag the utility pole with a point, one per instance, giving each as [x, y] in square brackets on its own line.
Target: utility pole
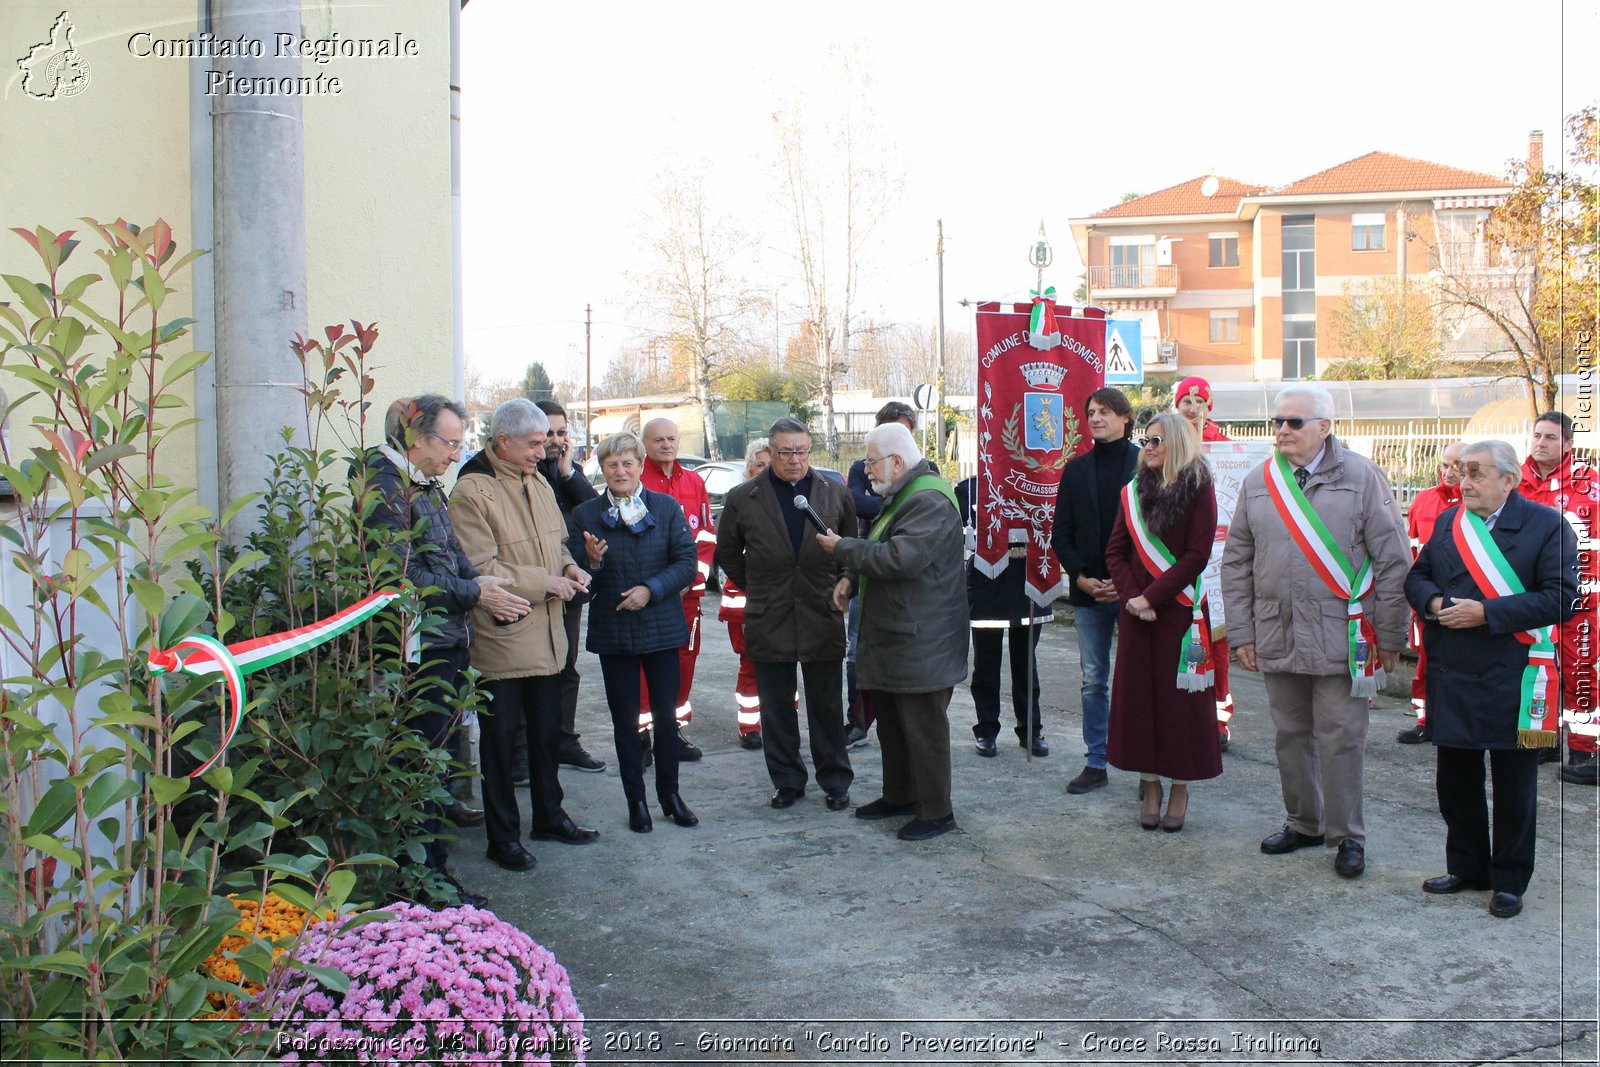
[588, 380]
[938, 422]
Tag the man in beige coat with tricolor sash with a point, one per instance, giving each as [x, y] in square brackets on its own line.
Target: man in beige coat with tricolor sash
[1313, 578]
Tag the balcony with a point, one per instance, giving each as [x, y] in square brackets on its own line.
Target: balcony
[1133, 281]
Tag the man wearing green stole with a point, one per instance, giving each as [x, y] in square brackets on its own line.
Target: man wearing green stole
[911, 578]
[1495, 577]
[1313, 577]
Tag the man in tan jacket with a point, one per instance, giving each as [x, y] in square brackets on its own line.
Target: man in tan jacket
[1316, 544]
[508, 521]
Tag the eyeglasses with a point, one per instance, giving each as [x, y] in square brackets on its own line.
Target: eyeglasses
[869, 462]
[1152, 442]
[560, 433]
[1279, 422]
[794, 453]
[1474, 472]
[454, 446]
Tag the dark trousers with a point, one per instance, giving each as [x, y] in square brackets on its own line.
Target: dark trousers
[986, 679]
[914, 735]
[532, 707]
[1504, 858]
[569, 675]
[780, 724]
[621, 675]
[440, 681]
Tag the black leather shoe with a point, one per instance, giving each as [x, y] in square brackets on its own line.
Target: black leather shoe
[512, 856]
[566, 831]
[1581, 773]
[1091, 778]
[675, 809]
[1417, 735]
[882, 809]
[462, 815]
[751, 741]
[1351, 859]
[838, 800]
[985, 746]
[1038, 747]
[785, 797]
[1288, 839]
[922, 829]
[688, 751]
[465, 896]
[1450, 883]
[1504, 905]
[578, 759]
[639, 818]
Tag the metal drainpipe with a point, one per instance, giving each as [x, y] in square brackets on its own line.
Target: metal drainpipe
[260, 260]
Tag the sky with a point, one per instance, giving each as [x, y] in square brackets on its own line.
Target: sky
[991, 122]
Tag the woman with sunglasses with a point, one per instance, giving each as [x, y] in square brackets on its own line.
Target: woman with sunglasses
[1163, 713]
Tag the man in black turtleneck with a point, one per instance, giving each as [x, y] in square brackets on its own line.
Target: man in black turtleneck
[1086, 508]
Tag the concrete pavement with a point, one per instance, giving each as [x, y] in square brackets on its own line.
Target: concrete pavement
[1050, 928]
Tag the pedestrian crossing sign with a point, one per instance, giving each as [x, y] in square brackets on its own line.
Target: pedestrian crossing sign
[1124, 359]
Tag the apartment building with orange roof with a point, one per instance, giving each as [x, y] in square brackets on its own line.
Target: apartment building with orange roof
[1237, 281]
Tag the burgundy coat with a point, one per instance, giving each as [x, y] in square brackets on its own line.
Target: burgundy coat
[1156, 727]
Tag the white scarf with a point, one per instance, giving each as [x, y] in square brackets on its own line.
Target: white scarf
[630, 509]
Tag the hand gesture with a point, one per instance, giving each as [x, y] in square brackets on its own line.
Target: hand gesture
[579, 576]
[495, 597]
[829, 541]
[842, 592]
[594, 548]
[635, 599]
[557, 587]
[1141, 609]
[1247, 656]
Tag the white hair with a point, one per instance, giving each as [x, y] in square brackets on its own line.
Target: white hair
[1321, 399]
[893, 439]
[1504, 456]
[518, 418]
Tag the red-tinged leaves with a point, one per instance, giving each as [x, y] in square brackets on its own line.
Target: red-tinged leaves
[161, 243]
[27, 235]
[334, 332]
[71, 444]
[41, 876]
[368, 334]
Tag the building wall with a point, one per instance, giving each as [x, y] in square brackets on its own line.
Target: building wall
[378, 212]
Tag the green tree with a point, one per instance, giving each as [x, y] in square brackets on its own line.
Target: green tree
[536, 384]
[1385, 329]
[1537, 287]
[756, 380]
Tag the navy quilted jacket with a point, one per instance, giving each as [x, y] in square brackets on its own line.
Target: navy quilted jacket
[661, 558]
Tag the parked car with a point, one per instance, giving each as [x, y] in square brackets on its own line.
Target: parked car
[723, 475]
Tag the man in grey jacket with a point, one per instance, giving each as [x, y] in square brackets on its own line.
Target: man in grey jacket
[910, 575]
[1316, 545]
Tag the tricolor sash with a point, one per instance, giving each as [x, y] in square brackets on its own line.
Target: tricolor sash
[921, 483]
[1328, 560]
[1540, 698]
[1196, 670]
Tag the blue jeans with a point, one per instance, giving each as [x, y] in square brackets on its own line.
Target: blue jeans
[1096, 625]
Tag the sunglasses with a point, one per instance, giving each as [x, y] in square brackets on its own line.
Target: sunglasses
[1152, 442]
[1279, 422]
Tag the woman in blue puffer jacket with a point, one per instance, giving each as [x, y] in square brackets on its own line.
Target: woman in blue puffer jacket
[638, 547]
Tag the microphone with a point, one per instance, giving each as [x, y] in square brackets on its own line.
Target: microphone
[804, 507]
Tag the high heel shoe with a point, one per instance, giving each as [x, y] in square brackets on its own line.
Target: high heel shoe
[1147, 818]
[675, 809]
[1171, 823]
[639, 818]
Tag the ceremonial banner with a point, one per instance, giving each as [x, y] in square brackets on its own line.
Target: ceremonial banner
[1230, 462]
[1031, 391]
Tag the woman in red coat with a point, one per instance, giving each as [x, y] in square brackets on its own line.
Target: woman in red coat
[1163, 711]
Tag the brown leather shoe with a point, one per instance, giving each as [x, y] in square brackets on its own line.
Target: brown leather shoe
[462, 815]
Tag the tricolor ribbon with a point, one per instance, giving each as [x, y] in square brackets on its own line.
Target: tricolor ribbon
[1043, 333]
[1196, 669]
[199, 654]
[1540, 698]
[1328, 560]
